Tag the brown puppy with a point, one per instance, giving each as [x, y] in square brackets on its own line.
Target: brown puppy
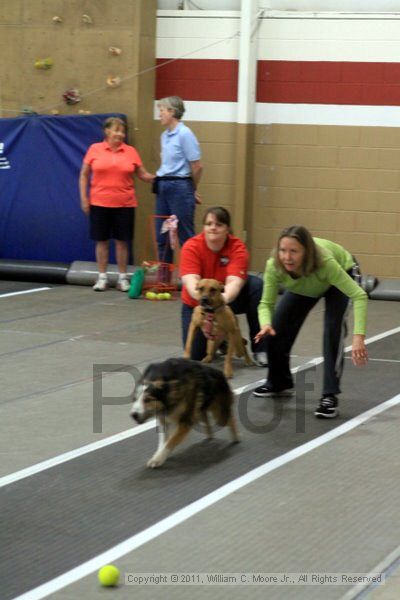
[182, 393]
[218, 322]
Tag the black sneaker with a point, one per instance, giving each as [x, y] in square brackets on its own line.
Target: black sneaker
[267, 391]
[328, 407]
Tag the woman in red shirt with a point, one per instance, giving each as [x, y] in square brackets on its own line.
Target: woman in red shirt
[107, 172]
[217, 254]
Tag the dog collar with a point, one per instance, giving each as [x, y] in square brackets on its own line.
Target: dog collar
[208, 326]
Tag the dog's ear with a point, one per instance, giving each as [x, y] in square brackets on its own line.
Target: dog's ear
[159, 390]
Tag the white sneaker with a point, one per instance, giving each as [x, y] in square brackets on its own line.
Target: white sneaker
[100, 285]
[260, 359]
[123, 284]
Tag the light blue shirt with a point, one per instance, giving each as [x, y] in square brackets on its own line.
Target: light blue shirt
[178, 149]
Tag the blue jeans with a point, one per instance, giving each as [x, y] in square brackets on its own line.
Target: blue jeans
[174, 197]
[246, 303]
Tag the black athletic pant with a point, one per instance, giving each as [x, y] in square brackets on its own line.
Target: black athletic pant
[288, 318]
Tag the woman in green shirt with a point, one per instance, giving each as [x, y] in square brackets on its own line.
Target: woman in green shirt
[308, 269]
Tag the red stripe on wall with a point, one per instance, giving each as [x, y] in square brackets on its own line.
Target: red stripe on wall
[324, 82]
[197, 79]
[292, 82]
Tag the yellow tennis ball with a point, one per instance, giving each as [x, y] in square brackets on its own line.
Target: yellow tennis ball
[160, 296]
[167, 296]
[151, 295]
[108, 576]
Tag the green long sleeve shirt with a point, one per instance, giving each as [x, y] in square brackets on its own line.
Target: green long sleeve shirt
[336, 260]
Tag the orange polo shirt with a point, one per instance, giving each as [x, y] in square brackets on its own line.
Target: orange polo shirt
[111, 183]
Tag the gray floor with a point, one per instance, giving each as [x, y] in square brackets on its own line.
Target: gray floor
[332, 510]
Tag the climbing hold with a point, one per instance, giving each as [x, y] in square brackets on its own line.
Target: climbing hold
[44, 63]
[72, 96]
[27, 110]
[113, 81]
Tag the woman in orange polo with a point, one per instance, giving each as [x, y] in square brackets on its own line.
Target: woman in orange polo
[107, 173]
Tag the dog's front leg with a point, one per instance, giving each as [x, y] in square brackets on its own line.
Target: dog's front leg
[176, 438]
[210, 351]
[162, 428]
[228, 369]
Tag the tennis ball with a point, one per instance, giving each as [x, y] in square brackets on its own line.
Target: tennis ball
[167, 296]
[108, 576]
[151, 295]
[160, 296]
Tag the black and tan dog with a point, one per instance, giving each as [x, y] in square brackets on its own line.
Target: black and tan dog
[217, 322]
[182, 392]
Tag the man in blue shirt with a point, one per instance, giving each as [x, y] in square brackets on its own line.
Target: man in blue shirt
[178, 176]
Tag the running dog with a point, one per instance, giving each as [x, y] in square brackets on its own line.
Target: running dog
[217, 322]
[182, 392]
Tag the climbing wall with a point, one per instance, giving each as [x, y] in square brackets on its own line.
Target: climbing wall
[71, 57]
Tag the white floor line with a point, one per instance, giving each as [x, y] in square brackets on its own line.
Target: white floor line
[382, 567]
[380, 336]
[57, 460]
[72, 454]
[384, 360]
[42, 289]
[196, 507]
[61, 458]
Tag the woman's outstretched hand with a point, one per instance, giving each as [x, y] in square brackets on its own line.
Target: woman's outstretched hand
[266, 330]
[359, 352]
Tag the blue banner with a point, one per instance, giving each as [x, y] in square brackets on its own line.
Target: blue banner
[40, 160]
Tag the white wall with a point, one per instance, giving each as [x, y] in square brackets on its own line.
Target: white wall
[333, 39]
[293, 5]
[338, 38]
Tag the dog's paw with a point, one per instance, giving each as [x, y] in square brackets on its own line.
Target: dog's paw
[207, 359]
[153, 463]
[158, 459]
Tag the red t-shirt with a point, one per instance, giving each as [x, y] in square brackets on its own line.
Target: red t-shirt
[111, 183]
[198, 259]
